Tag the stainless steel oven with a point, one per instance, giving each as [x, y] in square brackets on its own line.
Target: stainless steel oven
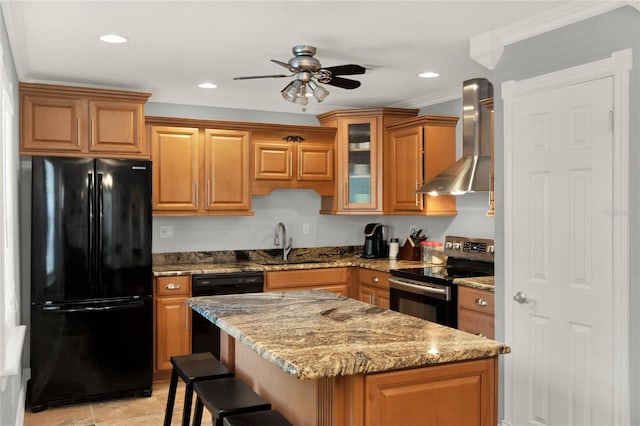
[429, 301]
[430, 293]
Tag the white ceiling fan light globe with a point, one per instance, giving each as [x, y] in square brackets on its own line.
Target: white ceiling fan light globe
[319, 92]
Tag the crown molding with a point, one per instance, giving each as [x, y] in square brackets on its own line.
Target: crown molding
[434, 99]
[487, 48]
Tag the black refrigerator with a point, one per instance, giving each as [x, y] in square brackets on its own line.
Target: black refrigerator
[91, 280]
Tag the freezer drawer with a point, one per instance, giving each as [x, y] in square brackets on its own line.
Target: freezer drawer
[89, 351]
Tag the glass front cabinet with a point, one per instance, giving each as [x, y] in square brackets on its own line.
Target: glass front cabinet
[360, 137]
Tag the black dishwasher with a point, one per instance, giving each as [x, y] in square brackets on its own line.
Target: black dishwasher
[205, 337]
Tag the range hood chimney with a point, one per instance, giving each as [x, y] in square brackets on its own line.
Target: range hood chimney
[471, 172]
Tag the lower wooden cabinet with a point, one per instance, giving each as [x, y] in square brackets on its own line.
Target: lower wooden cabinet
[172, 321]
[476, 311]
[335, 280]
[373, 287]
[463, 393]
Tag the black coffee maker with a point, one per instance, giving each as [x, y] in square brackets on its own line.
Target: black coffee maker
[375, 240]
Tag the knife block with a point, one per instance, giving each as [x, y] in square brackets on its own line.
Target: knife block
[409, 252]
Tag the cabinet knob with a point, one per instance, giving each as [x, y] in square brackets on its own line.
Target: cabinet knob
[481, 302]
[375, 279]
[173, 286]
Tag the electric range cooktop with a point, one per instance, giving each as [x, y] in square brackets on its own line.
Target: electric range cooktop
[467, 257]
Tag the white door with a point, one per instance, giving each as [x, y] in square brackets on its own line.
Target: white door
[561, 325]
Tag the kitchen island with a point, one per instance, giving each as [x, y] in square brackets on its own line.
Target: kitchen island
[325, 359]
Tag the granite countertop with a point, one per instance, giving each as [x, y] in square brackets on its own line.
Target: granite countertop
[313, 334]
[481, 283]
[384, 264]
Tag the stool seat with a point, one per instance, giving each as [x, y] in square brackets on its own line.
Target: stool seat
[226, 397]
[260, 418]
[202, 366]
[191, 369]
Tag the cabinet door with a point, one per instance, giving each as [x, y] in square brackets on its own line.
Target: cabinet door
[273, 161]
[360, 163]
[116, 127]
[172, 330]
[439, 153]
[52, 124]
[315, 162]
[226, 170]
[374, 295]
[406, 169]
[176, 165]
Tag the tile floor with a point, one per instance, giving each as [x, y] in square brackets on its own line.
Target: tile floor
[126, 411]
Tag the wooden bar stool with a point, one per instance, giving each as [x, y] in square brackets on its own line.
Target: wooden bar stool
[224, 398]
[260, 418]
[191, 369]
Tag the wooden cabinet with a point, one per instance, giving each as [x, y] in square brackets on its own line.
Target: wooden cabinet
[82, 122]
[199, 170]
[293, 157]
[476, 311]
[172, 320]
[463, 393]
[373, 287]
[419, 149]
[335, 280]
[360, 144]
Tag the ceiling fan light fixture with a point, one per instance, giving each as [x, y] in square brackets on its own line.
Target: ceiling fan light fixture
[301, 96]
[319, 92]
[291, 90]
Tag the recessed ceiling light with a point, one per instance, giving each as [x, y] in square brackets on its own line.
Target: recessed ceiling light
[113, 38]
[429, 74]
[207, 85]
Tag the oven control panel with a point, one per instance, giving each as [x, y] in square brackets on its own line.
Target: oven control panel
[470, 248]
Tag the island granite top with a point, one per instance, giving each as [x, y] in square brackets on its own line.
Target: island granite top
[313, 334]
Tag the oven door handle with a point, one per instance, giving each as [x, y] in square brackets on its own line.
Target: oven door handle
[422, 289]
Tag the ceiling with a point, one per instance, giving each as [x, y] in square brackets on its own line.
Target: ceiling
[174, 45]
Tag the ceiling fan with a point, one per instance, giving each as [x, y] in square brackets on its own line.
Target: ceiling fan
[306, 68]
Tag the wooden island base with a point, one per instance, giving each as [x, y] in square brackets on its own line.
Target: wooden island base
[457, 393]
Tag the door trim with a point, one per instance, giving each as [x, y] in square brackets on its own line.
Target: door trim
[618, 66]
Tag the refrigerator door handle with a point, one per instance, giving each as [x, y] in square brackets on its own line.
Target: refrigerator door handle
[118, 307]
[91, 235]
[99, 232]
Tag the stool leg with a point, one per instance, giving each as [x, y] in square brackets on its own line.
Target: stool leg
[171, 398]
[186, 411]
[197, 416]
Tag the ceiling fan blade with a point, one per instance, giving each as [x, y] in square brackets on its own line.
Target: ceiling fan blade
[286, 65]
[349, 69]
[250, 77]
[343, 83]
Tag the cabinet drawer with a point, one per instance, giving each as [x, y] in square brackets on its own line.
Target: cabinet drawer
[307, 278]
[373, 278]
[477, 300]
[173, 286]
[476, 323]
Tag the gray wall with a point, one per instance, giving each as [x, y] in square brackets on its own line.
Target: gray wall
[10, 390]
[298, 207]
[587, 41]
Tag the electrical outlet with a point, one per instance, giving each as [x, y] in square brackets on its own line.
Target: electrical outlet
[166, 231]
[306, 229]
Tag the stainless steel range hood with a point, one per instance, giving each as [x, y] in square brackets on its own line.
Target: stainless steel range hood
[472, 171]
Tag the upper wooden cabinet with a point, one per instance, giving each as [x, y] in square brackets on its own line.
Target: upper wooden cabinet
[360, 144]
[199, 171]
[419, 149]
[82, 122]
[293, 157]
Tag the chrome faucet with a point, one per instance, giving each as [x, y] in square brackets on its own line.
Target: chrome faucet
[276, 240]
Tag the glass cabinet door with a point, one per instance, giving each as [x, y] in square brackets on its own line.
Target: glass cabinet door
[361, 168]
